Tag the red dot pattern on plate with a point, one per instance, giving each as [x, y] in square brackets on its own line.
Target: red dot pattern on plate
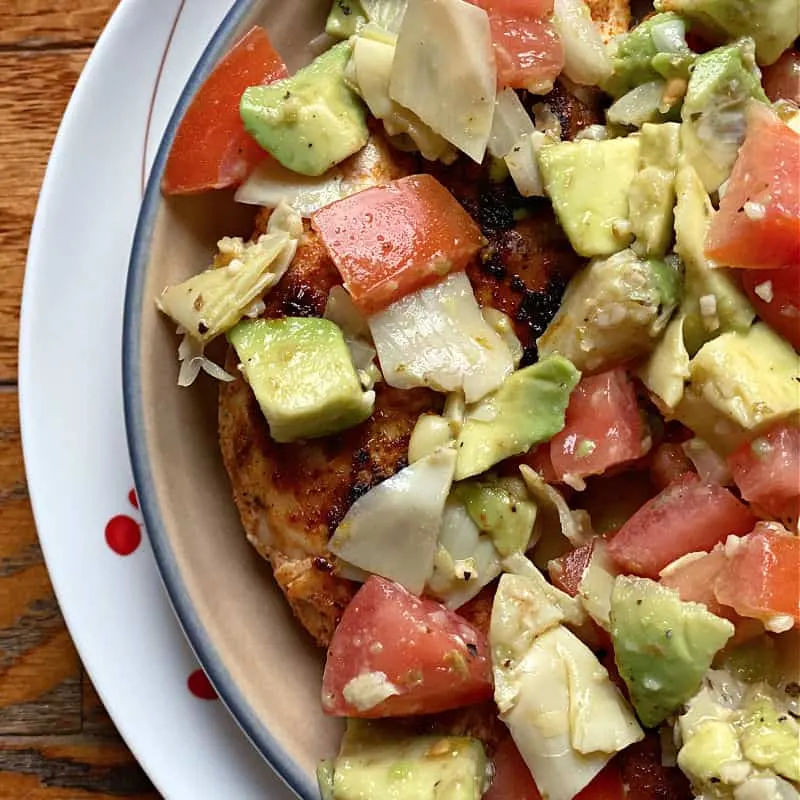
[200, 686]
[123, 534]
[133, 499]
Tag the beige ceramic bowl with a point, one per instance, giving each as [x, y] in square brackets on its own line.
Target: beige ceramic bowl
[259, 660]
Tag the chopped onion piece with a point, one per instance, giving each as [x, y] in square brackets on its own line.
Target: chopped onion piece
[710, 465]
[193, 361]
[437, 337]
[271, 182]
[594, 133]
[393, 529]
[341, 310]
[523, 164]
[597, 584]
[511, 121]
[444, 71]
[640, 105]
[670, 36]
[585, 58]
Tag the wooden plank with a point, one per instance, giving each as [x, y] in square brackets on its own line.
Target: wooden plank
[71, 768]
[34, 90]
[48, 23]
[40, 674]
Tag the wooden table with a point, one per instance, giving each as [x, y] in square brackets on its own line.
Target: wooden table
[56, 741]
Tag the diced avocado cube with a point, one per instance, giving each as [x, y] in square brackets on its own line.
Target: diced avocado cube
[376, 763]
[712, 747]
[613, 310]
[501, 508]
[662, 646]
[774, 24]
[722, 83]
[302, 376]
[652, 193]
[637, 59]
[311, 121]
[528, 408]
[345, 18]
[731, 309]
[769, 739]
[739, 384]
[588, 182]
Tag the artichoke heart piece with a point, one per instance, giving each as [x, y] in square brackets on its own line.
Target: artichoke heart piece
[212, 302]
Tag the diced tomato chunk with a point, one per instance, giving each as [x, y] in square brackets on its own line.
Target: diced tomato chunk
[758, 224]
[212, 150]
[667, 464]
[775, 295]
[762, 576]
[782, 79]
[528, 50]
[566, 572]
[694, 581]
[645, 775]
[688, 516]
[392, 240]
[422, 657]
[513, 780]
[603, 427]
[767, 471]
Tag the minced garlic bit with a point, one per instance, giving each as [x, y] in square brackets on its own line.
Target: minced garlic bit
[764, 291]
[367, 690]
[780, 623]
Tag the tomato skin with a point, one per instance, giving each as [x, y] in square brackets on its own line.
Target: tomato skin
[603, 426]
[392, 240]
[767, 471]
[782, 313]
[782, 79]
[212, 150]
[765, 174]
[689, 515]
[762, 576]
[667, 464]
[434, 658]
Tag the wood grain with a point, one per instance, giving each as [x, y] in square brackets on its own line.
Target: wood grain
[34, 90]
[56, 740]
[51, 23]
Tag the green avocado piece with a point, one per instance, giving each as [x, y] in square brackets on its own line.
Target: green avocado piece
[614, 309]
[774, 24]
[503, 509]
[345, 18]
[722, 83]
[376, 763]
[740, 384]
[527, 409]
[770, 739]
[637, 58]
[712, 747]
[588, 182]
[662, 646]
[302, 376]
[733, 311]
[651, 197]
[311, 121]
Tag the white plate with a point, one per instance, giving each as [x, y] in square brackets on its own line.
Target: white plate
[72, 417]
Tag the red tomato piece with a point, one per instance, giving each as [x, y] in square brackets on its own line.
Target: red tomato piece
[781, 309]
[667, 464]
[566, 572]
[688, 516]
[392, 240]
[758, 224]
[212, 150]
[762, 576]
[603, 426]
[512, 778]
[433, 658]
[536, 9]
[767, 471]
[694, 582]
[646, 777]
[782, 79]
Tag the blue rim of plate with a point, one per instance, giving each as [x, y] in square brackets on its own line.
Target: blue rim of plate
[230, 694]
